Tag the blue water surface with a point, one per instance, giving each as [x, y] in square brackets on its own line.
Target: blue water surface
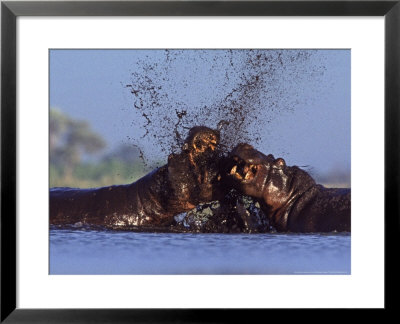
[87, 251]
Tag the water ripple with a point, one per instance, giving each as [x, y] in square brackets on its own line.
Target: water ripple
[111, 252]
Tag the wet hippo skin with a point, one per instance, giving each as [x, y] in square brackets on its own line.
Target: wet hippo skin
[288, 195]
[189, 178]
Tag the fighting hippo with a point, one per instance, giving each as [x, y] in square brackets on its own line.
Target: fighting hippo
[188, 179]
[289, 196]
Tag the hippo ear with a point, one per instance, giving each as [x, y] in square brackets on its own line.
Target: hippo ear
[279, 163]
[185, 147]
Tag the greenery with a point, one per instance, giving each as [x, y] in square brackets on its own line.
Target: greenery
[73, 142]
[103, 173]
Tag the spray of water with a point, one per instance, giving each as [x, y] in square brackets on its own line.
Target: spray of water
[238, 92]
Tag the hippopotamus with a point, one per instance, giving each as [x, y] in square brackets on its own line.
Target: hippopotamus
[288, 195]
[188, 179]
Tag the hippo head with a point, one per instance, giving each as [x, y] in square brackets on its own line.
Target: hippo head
[264, 177]
[201, 144]
[194, 173]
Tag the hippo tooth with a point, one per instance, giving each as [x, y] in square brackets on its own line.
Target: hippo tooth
[237, 175]
[247, 176]
[233, 171]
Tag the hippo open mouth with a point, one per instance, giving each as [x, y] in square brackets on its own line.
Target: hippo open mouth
[242, 170]
[204, 141]
[201, 144]
[246, 163]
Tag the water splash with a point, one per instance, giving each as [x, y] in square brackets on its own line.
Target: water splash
[237, 91]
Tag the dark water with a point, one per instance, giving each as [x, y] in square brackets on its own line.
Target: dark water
[112, 252]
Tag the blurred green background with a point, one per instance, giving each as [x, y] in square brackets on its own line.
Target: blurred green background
[79, 156]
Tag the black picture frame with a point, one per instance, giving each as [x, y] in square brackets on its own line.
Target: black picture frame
[10, 10]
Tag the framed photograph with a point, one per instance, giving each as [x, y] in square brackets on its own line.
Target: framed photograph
[196, 152]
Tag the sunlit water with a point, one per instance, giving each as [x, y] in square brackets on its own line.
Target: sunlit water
[112, 252]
